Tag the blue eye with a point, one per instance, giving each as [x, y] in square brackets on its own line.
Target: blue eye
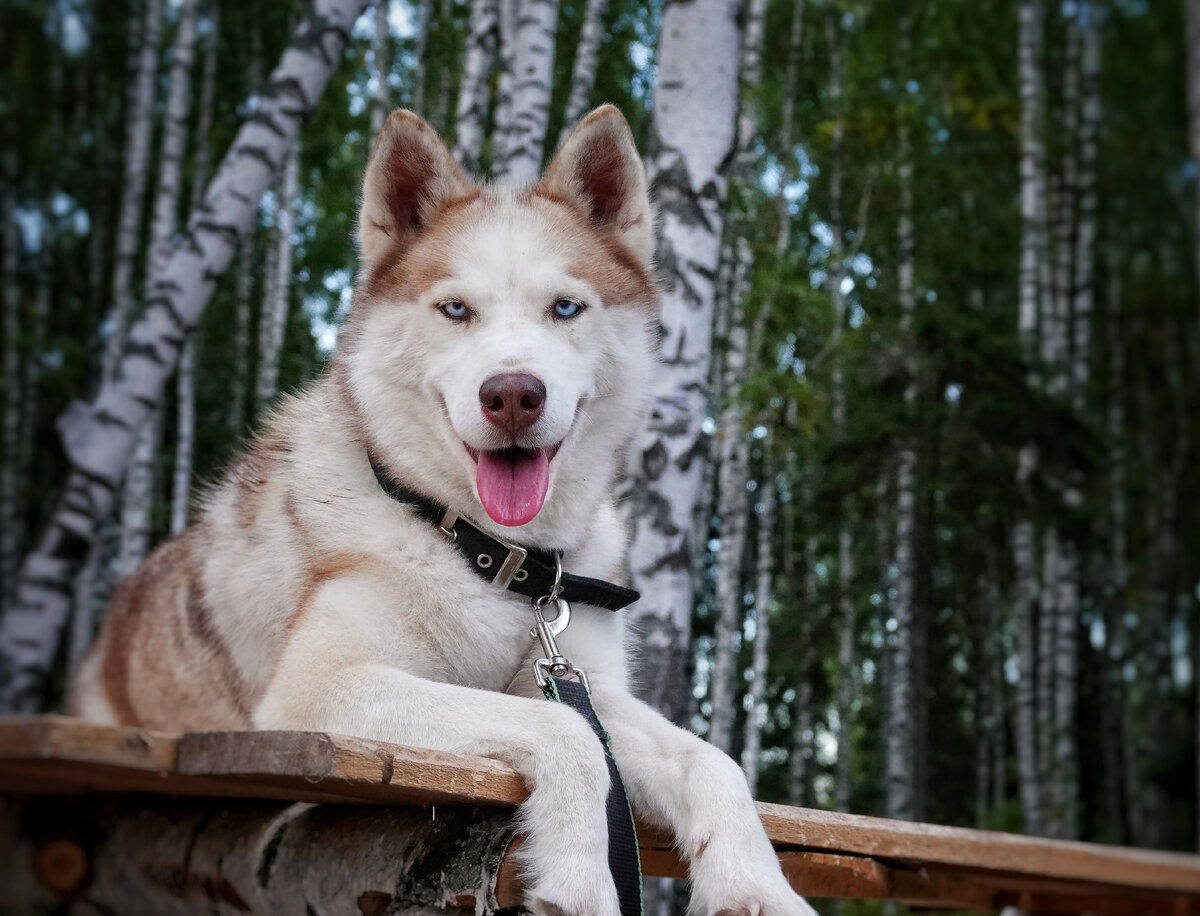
[454, 310]
[567, 308]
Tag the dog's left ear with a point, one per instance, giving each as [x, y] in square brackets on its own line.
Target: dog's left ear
[598, 167]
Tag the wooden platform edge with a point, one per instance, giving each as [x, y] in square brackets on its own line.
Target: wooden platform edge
[823, 853]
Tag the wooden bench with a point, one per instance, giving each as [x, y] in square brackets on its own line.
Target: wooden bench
[127, 819]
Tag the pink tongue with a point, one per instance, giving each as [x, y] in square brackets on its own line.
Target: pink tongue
[512, 484]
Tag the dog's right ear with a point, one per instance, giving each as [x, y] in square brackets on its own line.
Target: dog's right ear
[410, 175]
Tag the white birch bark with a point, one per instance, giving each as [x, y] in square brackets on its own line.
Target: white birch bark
[474, 89]
[1029, 289]
[900, 761]
[421, 77]
[583, 71]
[273, 321]
[133, 188]
[185, 382]
[138, 497]
[10, 525]
[1046, 680]
[506, 28]
[381, 57]
[448, 72]
[693, 128]
[99, 442]
[733, 288]
[524, 129]
[239, 383]
[1083, 282]
[836, 273]
[756, 715]
[733, 476]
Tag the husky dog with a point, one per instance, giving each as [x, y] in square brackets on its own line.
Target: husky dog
[497, 361]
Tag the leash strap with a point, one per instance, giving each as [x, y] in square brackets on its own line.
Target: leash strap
[624, 860]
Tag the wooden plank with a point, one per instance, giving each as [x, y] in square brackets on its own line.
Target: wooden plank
[362, 770]
[64, 756]
[979, 849]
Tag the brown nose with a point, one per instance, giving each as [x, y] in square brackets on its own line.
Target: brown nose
[513, 400]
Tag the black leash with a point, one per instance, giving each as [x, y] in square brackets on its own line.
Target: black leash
[553, 673]
[538, 574]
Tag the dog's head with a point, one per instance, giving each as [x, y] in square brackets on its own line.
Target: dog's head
[499, 349]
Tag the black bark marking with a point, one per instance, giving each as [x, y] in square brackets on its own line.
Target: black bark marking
[269, 854]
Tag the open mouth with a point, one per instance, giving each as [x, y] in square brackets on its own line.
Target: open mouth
[512, 482]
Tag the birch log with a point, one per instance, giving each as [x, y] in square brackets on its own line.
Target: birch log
[201, 856]
[583, 71]
[524, 130]
[474, 91]
[140, 120]
[98, 444]
[693, 135]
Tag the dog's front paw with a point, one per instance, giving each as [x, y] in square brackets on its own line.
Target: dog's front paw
[742, 887]
[547, 899]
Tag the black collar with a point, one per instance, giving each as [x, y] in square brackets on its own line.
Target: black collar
[525, 570]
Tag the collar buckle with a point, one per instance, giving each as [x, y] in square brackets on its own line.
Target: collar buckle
[511, 565]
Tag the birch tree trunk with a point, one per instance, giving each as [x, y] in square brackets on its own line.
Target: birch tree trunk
[692, 125]
[140, 120]
[757, 713]
[99, 442]
[10, 520]
[733, 286]
[524, 129]
[733, 476]
[421, 77]
[381, 53]
[845, 538]
[474, 90]
[138, 498]
[45, 286]
[583, 72]
[240, 381]
[506, 28]
[185, 384]
[1024, 535]
[900, 766]
[273, 321]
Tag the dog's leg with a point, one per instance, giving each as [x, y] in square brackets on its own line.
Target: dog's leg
[337, 682]
[675, 778]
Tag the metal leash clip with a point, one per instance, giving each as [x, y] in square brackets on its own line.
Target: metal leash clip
[554, 663]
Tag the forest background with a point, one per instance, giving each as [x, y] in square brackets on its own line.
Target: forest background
[917, 518]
